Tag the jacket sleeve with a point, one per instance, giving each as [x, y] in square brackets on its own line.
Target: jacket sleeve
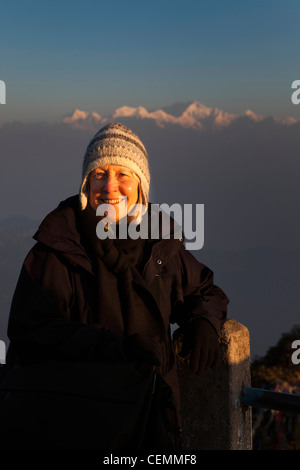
[40, 327]
[199, 296]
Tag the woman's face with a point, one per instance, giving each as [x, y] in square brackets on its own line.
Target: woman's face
[110, 184]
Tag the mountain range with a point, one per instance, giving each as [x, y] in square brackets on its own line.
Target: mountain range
[191, 115]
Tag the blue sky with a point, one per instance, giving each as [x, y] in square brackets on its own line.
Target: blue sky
[59, 55]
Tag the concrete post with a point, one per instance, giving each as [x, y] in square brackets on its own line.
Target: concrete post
[212, 415]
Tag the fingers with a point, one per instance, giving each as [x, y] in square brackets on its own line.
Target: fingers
[216, 360]
[204, 362]
[201, 360]
[195, 360]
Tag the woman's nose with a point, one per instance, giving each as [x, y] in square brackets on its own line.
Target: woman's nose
[111, 183]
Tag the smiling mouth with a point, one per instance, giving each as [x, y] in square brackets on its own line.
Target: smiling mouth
[111, 201]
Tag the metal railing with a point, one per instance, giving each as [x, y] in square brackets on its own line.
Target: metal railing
[258, 397]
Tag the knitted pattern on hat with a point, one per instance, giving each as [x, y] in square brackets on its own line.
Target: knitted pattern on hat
[115, 144]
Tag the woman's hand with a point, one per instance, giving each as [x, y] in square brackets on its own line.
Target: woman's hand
[204, 348]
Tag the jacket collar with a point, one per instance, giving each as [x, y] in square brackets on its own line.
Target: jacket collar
[60, 231]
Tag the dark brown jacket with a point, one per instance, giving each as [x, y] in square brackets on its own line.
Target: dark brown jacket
[53, 316]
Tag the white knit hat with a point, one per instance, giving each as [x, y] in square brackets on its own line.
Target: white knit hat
[115, 144]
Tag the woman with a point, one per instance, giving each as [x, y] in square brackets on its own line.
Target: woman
[89, 327]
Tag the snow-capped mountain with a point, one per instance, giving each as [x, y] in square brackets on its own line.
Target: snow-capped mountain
[82, 119]
[193, 115]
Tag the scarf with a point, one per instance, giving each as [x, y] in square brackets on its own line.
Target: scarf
[125, 302]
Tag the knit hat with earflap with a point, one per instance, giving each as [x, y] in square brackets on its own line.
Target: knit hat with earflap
[115, 144]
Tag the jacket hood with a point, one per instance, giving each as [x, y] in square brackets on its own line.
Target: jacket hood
[59, 230]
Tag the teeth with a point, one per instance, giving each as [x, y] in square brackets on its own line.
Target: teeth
[111, 201]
